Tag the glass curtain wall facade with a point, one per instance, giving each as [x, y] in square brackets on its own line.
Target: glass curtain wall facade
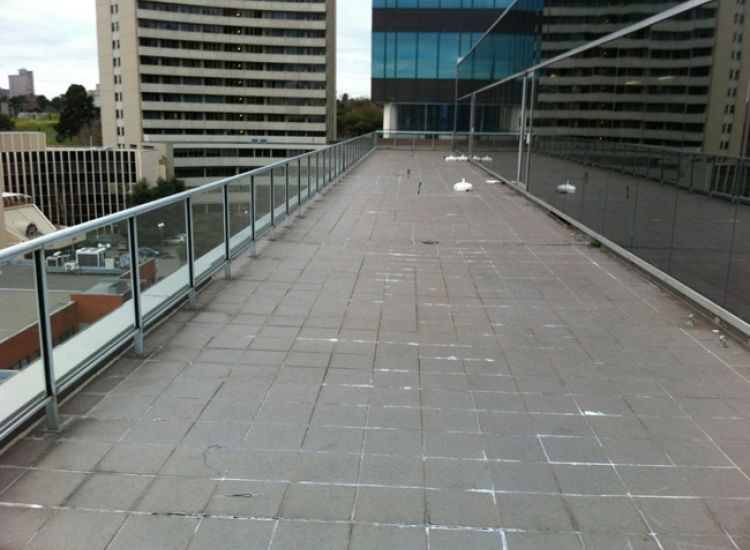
[416, 44]
[637, 136]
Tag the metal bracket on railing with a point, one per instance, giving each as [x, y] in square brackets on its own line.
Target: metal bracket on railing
[45, 342]
[135, 281]
[190, 251]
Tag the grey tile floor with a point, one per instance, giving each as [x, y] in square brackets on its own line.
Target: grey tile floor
[403, 370]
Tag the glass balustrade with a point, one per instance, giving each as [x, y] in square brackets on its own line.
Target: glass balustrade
[97, 287]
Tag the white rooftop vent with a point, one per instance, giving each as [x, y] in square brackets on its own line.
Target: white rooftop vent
[463, 186]
[566, 188]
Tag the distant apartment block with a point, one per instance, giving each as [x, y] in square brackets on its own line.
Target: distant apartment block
[72, 185]
[222, 86]
[21, 84]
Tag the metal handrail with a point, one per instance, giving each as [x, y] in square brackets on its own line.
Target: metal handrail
[29, 246]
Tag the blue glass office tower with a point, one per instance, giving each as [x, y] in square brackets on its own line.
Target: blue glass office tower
[416, 44]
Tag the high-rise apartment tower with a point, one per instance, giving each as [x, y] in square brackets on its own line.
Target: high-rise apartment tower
[21, 84]
[223, 86]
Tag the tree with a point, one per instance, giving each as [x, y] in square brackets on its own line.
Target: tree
[90, 134]
[358, 116]
[41, 103]
[6, 123]
[57, 103]
[78, 111]
[20, 103]
[142, 192]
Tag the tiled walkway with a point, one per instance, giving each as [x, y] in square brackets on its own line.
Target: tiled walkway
[405, 370]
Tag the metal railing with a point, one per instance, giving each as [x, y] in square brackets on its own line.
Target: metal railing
[71, 300]
[402, 140]
[722, 176]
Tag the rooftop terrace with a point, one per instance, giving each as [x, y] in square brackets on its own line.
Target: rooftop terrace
[404, 370]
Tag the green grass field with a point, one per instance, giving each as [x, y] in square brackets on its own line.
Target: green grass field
[46, 125]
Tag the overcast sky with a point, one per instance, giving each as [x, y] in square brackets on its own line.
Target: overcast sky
[57, 40]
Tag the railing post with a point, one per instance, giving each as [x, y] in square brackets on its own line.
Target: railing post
[692, 172]
[227, 235]
[135, 275]
[190, 251]
[286, 189]
[530, 133]
[299, 186]
[272, 198]
[521, 131]
[472, 119]
[45, 342]
[309, 166]
[317, 172]
[253, 251]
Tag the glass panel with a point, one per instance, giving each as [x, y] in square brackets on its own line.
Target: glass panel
[90, 293]
[704, 227]
[378, 55]
[21, 369]
[337, 160]
[320, 163]
[279, 193]
[497, 122]
[427, 64]
[737, 298]
[262, 202]
[406, 55]
[208, 228]
[240, 216]
[162, 242]
[616, 135]
[294, 184]
[504, 51]
[305, 177]
[448, 55]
